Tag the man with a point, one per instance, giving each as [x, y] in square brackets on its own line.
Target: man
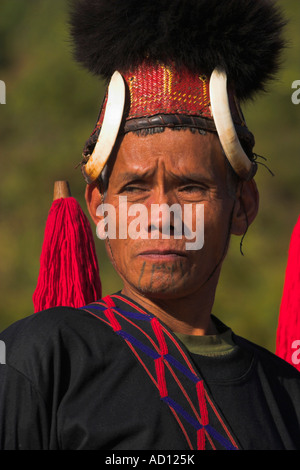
[151, 367]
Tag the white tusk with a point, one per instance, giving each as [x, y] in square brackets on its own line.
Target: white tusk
[225, 126]
[109, 130]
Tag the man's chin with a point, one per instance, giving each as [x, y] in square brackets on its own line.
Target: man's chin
[163, 290]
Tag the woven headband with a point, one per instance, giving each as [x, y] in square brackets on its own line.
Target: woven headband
[154, 96]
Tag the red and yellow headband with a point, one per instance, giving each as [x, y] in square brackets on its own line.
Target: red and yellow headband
[164, 96]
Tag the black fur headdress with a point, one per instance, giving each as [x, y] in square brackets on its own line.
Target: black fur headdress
[245, 37]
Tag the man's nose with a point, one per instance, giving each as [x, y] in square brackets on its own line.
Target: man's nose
[164, 215]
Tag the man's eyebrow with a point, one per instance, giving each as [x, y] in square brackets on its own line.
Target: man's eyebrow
[188, 178]
[133, 176]
[191, 178]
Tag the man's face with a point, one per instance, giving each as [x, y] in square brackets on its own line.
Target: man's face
[173, 167]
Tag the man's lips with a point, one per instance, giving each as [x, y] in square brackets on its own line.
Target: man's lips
[162, 254]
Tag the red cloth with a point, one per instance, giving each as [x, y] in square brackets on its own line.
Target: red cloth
[69, 272]
[288, 331]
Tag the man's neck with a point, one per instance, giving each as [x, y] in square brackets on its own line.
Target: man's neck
[189, 315]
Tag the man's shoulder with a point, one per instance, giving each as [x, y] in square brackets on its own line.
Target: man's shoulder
[50, 329]
[43, 322]
[268, 361]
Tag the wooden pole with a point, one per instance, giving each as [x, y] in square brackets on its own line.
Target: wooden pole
[61, 189]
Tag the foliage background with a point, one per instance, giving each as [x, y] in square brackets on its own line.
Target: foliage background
[51, 107]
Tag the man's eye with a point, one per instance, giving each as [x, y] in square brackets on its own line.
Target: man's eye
[133, 189]
[192, 188]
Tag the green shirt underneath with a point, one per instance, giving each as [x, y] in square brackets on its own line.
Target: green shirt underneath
[209, 345]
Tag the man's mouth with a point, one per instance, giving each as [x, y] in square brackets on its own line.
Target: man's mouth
[163, 255]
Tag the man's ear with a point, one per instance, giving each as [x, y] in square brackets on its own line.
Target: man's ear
[246, 207]
[94, 199]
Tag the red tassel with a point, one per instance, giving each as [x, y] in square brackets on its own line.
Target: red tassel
[288, 330]
[69, 272]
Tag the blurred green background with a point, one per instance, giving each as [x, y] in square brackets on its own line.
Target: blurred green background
[51, 107]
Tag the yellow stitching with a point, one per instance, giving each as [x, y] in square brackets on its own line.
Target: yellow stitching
[131, 83]
[167, 79]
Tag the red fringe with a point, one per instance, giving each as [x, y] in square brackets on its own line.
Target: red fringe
[288, 330]
[69, 272]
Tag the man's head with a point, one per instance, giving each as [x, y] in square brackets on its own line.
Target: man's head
[175, 64]
[184, 168]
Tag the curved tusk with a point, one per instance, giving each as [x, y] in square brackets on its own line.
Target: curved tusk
[110, 128]
[225, 126]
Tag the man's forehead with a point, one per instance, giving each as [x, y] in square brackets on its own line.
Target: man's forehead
[180, 152]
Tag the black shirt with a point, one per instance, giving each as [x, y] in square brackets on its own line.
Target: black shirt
[70, 382]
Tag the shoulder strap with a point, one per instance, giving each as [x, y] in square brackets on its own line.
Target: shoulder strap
[170, 370]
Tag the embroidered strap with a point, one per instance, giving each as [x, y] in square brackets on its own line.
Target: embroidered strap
[170, 367]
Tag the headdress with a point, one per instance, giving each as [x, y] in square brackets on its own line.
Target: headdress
[176, 63]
